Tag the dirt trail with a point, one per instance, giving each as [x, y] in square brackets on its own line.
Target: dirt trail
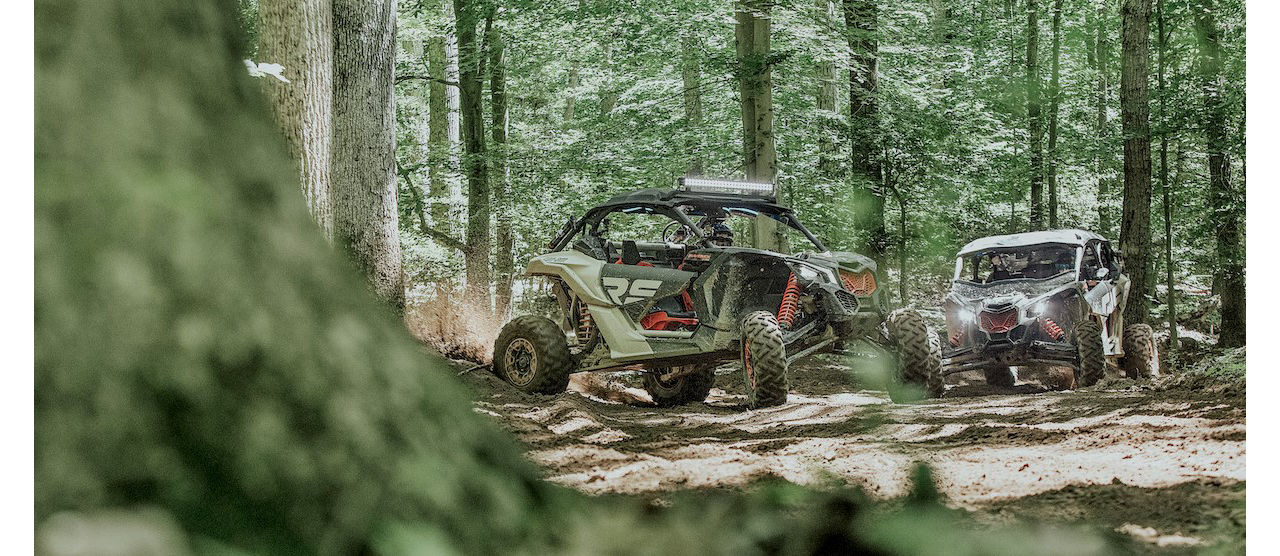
[1164, 464]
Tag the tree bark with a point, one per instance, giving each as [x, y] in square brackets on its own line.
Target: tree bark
[826, 97]
[470, 60]
[438, 160]
[760, 157]
[1055, 99]
[299, 36]
[691, 80]
[1101, 86]
[1135, 224]
[1171, 294]
[572, 96]
[1035, 127]
[1224, 201]
[864, 128]
[365, 217]
[504, 260]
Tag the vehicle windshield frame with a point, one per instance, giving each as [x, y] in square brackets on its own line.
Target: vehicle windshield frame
[957, 276]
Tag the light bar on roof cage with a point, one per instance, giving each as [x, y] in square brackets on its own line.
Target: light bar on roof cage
[700, 185]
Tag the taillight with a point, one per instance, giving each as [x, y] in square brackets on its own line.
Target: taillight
[860, 284]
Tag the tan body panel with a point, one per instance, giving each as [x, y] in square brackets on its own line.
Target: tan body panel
[582, 274]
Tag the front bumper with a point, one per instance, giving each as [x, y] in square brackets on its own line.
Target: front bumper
[968, 358]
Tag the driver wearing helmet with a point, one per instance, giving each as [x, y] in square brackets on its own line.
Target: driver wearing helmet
[721, 235]
[1000, 270]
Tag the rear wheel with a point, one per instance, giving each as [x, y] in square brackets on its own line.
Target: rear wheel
[688, 388]
[1000, 375]
[532, 354]
[764, 360]
[1141, 358]
[1093, 359]
[919, 372]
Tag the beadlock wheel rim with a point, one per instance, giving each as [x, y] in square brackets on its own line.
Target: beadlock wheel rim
[520, 362]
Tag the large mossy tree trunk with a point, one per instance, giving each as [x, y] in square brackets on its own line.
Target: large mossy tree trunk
[298, 34]
[363, 174]
[864, 129]
[474, 162]
[1135, 222]
[1224, 201]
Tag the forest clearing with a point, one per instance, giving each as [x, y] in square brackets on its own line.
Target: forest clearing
[499, 276]
[1163, 464]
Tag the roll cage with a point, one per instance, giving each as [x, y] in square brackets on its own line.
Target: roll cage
[666, 202]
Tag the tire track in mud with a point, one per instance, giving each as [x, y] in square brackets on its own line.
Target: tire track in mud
[1001, 453]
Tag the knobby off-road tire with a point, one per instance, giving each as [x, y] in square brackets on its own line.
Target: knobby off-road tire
[1093, 359]
[1002, 376]
[690, 388]
[919, 369]
[533, 355]
[764, 360]
[1141, 358]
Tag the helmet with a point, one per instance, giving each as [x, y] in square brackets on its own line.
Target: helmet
[721, 234]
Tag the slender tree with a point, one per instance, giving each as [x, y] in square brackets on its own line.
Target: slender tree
[826, 97]
[1224, 203]
[1102, 85]
[1171, 292]
[1035, 127]
[1135, 224]
[760, 157]
[438, 159]
[299, 36]
[1055, 99]
[365, 217]
[864, 127]
[470, 84]
[691, 80]
[571, 98]
[504, 261]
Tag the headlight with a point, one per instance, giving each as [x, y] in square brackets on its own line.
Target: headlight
[1038, 308]
[965, 315]
[811, 273]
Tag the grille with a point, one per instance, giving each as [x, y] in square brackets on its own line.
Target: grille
[861, 284]
[998, 321]
[849, 302]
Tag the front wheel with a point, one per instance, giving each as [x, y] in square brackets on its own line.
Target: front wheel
[919, 372]
[764, 360]
[692, 387]
[532, 354]
[1093, 359]
[1141, 359]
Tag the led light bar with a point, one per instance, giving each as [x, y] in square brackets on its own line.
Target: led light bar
[755, 189]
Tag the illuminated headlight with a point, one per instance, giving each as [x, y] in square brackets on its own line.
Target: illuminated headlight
[755, 189]
[1038, 308]
[966, 315]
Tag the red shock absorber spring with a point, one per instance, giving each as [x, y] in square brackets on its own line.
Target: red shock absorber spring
[790, 301]
[1051, 328]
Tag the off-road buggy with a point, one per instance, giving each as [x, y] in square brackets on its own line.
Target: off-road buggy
[683, 302]
[1052, 298]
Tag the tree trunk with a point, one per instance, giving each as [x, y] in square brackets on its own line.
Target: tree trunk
[608, 97]
[474, 165]
[569, 100]
[438, 159]
[691, 79]
[864, 128]
[1171, 294]
[1135, 225]
[828, 134]
[365, 217]
[1035, 127]
[760, 157]
[504, 262]
[299, 36]
[1055, 98]
[1101, 149]
[1224, 201]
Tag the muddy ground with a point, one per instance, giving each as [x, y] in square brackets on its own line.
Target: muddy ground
[1162, 463]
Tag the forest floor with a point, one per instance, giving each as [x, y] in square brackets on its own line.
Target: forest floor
[1163, 462]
